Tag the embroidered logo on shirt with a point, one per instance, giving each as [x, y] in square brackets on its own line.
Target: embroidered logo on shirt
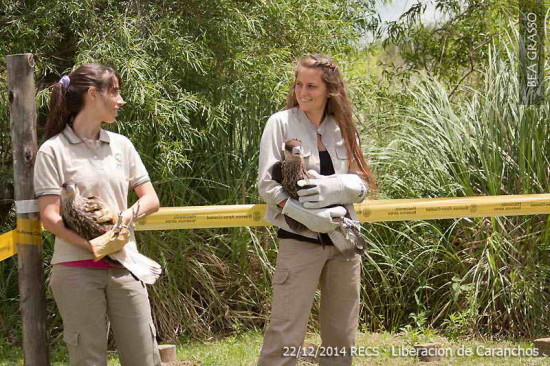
[118, 159]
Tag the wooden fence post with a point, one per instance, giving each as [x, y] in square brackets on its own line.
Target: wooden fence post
[30, 266]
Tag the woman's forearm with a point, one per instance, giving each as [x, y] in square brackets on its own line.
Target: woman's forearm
[57, 228]
[147, 203]
[144, 206]
[53, 222]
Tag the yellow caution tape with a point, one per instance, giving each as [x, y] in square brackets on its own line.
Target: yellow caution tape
[7, 245]
[28, 232]
[452, 208]
[196, 217]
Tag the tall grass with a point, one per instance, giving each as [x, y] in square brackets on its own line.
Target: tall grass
[471, 276]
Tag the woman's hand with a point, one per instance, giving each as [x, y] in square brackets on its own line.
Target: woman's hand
[337, 189]
[322, 220]
[147, 204]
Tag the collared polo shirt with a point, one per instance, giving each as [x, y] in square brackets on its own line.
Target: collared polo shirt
[107, 168]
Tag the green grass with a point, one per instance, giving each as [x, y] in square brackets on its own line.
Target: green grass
[243, 350]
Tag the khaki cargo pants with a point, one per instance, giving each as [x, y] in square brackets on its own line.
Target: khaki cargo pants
[300, 268]
[87, 299]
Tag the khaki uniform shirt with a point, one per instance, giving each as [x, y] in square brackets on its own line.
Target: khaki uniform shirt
[294, 124]
[106, 168]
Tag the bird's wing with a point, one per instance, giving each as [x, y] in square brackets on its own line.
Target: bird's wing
[277, 172]
[100, 210]
[95, 203]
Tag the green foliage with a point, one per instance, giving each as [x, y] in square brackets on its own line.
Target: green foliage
[454, 47]
[200, 80]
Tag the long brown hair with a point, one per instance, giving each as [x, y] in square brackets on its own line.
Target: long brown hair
[67, 98]
[339, 107]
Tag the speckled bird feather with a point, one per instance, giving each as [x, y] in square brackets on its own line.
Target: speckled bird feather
[77, 218]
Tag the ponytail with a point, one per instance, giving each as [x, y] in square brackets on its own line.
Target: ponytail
[59, 116]
[67, 97]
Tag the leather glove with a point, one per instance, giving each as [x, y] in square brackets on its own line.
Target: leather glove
[110, 242]
[105, 214]
[336, 189]
[317, 220]
[101, 212]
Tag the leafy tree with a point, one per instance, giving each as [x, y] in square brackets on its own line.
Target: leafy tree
[200, 79]
[454, 48]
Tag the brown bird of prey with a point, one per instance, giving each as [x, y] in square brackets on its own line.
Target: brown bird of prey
[292, 169]
[89, 217]
[288, 172]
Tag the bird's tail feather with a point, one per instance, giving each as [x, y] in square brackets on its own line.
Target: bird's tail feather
[347, 238]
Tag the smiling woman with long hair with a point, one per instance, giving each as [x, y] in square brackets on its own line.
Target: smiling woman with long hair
[319, 114]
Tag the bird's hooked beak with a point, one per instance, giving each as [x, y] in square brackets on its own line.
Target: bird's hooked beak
[69, 189]
[297, 151]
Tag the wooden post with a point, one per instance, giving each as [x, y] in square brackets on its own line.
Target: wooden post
[167, 353]
[30, 266]
[543, 345]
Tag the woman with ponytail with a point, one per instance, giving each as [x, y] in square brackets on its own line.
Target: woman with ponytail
[92, 292]
[319, 114]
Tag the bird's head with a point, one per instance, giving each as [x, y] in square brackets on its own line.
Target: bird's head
[69, 190]
[293, 150]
